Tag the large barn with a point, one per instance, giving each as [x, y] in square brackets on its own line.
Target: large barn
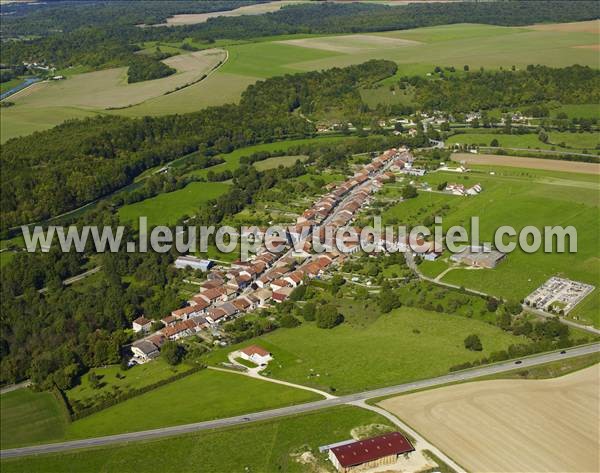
[368, 453]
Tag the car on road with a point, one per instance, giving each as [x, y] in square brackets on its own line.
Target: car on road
[563, 352]
[518, 362]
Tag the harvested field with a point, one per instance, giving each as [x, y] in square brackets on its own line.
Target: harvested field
[592, 26]
[195, 18]
[531, 163]
[350, 44]
[595, 47]
[512, 425]
[109, 88]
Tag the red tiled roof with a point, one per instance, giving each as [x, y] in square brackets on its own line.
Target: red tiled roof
[142, 321]
[255, 349]
[372, 449]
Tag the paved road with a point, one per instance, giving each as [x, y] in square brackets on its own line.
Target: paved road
[14, 387]
[301, 408]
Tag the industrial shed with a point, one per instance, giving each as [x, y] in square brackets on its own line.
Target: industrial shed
[368, 453]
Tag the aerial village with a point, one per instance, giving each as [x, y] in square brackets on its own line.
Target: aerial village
[270, 277]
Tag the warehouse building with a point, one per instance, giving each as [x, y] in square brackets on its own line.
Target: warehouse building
[369, 453]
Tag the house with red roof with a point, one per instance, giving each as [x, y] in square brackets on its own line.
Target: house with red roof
[255, 354]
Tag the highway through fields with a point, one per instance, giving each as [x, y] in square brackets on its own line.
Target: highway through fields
[465, 375]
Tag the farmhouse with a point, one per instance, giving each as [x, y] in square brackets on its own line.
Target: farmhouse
[371, 452]
[256, 354]
[144, 350]
[141, 324]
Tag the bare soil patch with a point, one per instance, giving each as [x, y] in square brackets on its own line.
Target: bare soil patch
[350, 44]
[546, 425]
[195, 18]
[531, 163]
[595, 47]
[592, 26]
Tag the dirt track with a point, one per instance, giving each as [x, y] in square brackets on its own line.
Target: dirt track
[531, 163]
[512, 425]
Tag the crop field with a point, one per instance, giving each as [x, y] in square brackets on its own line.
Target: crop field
[530, 163]
[402, 346]
[166, 209]
[195, 18]
[49, 103]
[519, 197]
[573, 142]
[109, 88]
[478, 423]
[29, 417]
[416, 51]
[281, 442]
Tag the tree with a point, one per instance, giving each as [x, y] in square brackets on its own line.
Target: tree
[172, 352]
[473, 343]
[388, 300]
[309, 311]
[298, 293]
[466, 68]
[328, 316]
[337, 281]
[94, 380]
[409, 192]
[494, 143]
[288, 321]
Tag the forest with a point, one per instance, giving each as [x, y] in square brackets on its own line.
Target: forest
[51, 172]
[483, 90]
[101, 42]
[143, 68]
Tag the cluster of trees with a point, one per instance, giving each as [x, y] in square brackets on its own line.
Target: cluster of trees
[143, 68]
[54, 171]
[104, 34]
[490, 89]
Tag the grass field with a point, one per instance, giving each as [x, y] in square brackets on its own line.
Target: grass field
[477, 423]
[355, 357]
[204, 395]
[272, 163]
[30, 417]
[520, 197]
[166, 209]
[575, 142]
[134, 378]
[263, 447]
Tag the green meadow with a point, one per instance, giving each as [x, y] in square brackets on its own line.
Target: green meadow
[30, 417]
[404, 345]
[166, 209]
[258, 447]
[204, 395]
[518, 197]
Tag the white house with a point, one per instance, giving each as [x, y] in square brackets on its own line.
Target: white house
[256, 355]
[141, 324]
[144, 350]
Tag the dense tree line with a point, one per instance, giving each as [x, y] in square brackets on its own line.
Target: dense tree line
[50, 172]
[48, 17]
[143, 68]
[99, 40]
[490, 89]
